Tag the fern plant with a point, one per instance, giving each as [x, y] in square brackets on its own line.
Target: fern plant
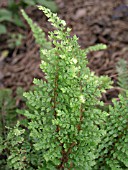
[65, 129]
[7, 111]
[112, 152]
[8, 118]
[63, 119]
[122, 71]
[113, 149]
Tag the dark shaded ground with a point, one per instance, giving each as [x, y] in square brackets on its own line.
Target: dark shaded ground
[93, 21]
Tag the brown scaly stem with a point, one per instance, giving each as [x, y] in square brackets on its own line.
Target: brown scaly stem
[81, 109]
[64, 158]
[61, 166]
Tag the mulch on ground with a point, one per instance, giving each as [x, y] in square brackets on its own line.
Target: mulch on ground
[93, 21]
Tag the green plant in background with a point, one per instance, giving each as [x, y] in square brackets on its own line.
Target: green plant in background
[122, 70]
[14, 40]
[8, 118]
[65, 129]
[11, 13]
[5, 15]
[112, 151]
[47, 3]
[7, 106]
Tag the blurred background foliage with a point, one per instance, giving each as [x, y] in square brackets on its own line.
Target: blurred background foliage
[12, 12]
[11, 15]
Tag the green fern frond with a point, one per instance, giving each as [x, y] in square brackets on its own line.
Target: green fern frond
[95, 48]
[122, 70]
[37, 32]
[112, 151]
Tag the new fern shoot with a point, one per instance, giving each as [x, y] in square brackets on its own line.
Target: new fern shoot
[66, 130]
